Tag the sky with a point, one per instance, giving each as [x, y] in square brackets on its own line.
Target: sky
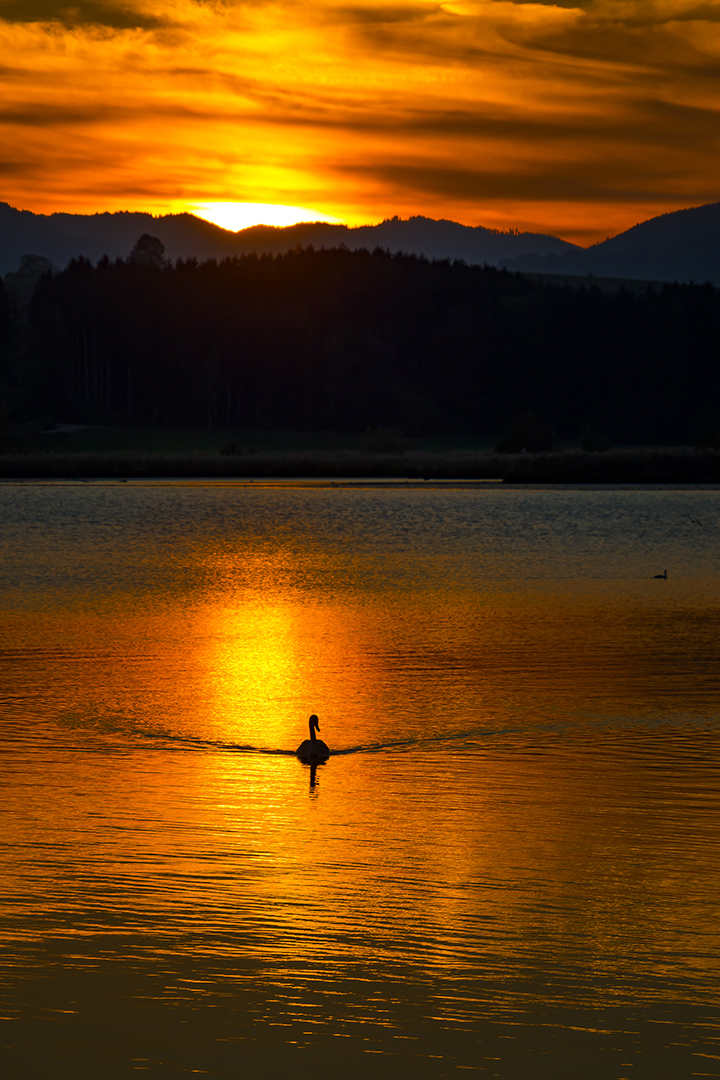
[574, 119]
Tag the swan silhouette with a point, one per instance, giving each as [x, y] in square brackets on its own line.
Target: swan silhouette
[663, 576]
[313, 749]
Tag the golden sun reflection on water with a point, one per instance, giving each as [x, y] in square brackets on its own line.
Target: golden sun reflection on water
[265, 658]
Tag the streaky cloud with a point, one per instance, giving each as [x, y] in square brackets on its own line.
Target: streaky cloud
[543, 185]
[83, 13]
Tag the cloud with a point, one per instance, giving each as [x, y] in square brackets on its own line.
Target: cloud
[52, 116]
[84, 12]
[568, 184]
[647, 122]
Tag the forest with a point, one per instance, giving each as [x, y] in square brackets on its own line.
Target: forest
[345, 341]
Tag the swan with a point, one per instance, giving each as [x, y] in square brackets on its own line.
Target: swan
[662, 576]
[312, 748]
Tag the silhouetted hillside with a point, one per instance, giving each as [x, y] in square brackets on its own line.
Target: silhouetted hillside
[682, 246]
[61, 237]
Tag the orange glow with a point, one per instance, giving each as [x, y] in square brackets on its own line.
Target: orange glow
[574, 120]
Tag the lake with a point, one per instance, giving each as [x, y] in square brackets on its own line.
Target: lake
[508, 867]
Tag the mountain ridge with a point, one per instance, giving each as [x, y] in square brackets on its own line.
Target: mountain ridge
[682, 245]
[61, 237]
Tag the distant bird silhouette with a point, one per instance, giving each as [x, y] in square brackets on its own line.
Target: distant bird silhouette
[313, 749]
[662, 577]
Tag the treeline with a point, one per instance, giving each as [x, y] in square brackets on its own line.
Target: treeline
[345, 341]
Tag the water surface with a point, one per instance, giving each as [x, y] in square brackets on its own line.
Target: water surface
[509, 865]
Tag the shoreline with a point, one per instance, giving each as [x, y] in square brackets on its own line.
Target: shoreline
[671, 465]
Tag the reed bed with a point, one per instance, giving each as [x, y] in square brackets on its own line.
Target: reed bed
[670, 465]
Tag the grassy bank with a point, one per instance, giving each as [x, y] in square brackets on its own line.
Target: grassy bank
[671, 465]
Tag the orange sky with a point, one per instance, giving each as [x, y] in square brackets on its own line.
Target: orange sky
[576, 120]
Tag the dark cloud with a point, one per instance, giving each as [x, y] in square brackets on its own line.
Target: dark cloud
[83, 13]
[576, 184]
[635, 34]
[14, 168]
[16, 74]
[648, 52]
[642, 14]
[649, 121]
[649, 15]
[51, 115]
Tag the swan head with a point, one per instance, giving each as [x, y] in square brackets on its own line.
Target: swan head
[314, 724]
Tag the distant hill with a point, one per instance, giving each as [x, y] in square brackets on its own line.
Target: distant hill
[681, 246]
[61, 237]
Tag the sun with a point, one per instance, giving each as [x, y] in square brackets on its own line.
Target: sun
[235, 216]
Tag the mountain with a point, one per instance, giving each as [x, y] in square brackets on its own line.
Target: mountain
[680, 246]
[61, 237]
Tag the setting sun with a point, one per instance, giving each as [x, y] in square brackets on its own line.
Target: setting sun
[241, 215]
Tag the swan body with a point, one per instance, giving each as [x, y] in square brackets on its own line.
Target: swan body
[663, 577]
[313, 749]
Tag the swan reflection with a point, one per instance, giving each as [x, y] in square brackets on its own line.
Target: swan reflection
[314, 782]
